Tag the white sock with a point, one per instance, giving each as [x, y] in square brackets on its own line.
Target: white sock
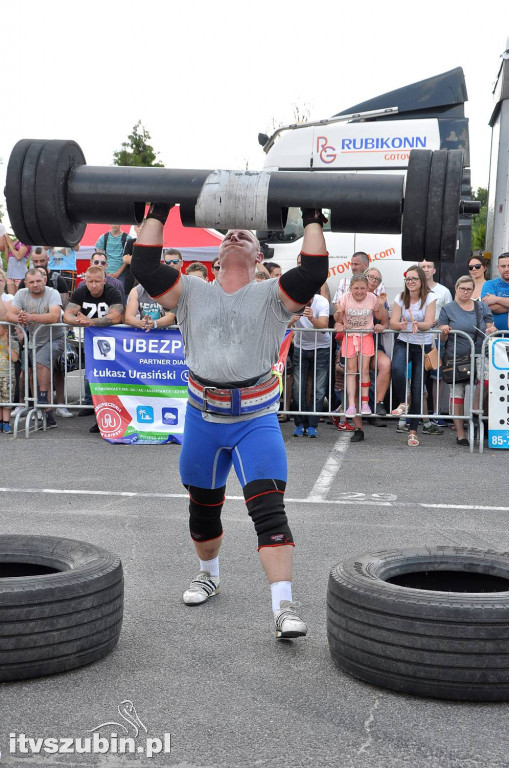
[212, 566]
[281, 590]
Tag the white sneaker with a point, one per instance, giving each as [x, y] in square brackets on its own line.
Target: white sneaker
[288, 622]
[201, 588]
[17, 410]
[64, 412]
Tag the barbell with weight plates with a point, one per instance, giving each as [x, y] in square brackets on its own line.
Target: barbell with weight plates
[52, 194]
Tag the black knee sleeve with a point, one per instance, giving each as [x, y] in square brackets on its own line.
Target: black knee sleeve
[301, 283]
[205, 505]
[146, 267]
[266, 506]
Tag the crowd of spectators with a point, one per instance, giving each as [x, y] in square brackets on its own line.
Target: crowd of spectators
[378, 373]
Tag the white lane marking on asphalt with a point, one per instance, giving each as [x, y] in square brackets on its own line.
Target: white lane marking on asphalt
[330, 469]
[339, 502]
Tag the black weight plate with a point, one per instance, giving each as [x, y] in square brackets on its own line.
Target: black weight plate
[58, 158]
[450, 216]
[28, 191]
[13, 190]
[415, 205]
[434, 213]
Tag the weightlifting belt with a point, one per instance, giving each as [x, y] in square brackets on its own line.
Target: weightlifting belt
[235, 401]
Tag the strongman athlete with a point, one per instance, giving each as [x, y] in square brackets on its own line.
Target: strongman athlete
[232, 330]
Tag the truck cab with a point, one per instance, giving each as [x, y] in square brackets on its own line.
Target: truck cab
[373, 136]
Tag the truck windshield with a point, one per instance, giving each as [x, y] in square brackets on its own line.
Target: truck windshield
[293, 230]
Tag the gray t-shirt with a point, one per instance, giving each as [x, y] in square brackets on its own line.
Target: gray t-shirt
[463, 320]
[231, 337]
[147, 305]
[443, 296]
[40, 305]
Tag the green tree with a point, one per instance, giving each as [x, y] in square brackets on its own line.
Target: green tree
[479, 221]
[136, 150]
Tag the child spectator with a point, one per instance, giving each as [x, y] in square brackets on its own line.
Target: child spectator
[9, 354]
[355, 313]
[17, 254]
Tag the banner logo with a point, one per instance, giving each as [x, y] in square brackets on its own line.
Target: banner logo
[145, 414]
[170, 416]
[104, 348]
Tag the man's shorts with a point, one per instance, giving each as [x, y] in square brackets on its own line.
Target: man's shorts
[47, 353]
[6, 391]
[255, 448]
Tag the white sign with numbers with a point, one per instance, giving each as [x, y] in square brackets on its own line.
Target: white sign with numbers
[498, 416]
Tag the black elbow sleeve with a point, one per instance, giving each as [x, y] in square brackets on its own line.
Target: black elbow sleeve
[301, 283]
[146, 267]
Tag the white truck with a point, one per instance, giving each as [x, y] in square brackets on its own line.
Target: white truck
[376, 135]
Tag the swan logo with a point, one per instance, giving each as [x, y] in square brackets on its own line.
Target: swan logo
[126, 734]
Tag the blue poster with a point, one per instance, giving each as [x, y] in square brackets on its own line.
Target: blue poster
[138, 382]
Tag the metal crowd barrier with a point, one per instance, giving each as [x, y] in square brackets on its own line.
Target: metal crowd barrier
[384, 342]
[66, 390]
[16, 384]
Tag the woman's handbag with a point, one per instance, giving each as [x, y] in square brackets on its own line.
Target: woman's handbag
[459, 370]
[432, 360]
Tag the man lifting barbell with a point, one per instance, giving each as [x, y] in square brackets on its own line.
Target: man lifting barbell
[231, 416]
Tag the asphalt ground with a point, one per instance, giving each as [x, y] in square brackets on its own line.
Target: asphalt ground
[213, 676]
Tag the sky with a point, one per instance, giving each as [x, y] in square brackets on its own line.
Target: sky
[205, 78]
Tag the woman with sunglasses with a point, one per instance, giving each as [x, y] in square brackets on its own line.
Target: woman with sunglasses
[477, 266]
[413, 314]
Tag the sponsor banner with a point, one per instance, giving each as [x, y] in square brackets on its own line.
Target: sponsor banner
[138, 382]
[498, 379]
[372, 144]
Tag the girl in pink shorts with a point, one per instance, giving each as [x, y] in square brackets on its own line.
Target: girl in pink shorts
[355, 313]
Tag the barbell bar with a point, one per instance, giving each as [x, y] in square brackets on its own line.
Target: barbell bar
[52, 194]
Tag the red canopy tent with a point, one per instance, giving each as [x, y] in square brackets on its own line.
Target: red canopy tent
[195, 243]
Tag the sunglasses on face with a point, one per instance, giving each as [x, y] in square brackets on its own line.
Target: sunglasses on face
[99, 263]
[216, 268]
[172, 261]
[474, 266]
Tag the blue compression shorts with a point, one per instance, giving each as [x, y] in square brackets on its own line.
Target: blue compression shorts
[254, 447]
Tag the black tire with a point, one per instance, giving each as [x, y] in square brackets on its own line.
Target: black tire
[429, 621]
[61, 605]
[415, 205]
[28, 181]
[57, 159]
[452, 194]
[13, 190]
[434, 212]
